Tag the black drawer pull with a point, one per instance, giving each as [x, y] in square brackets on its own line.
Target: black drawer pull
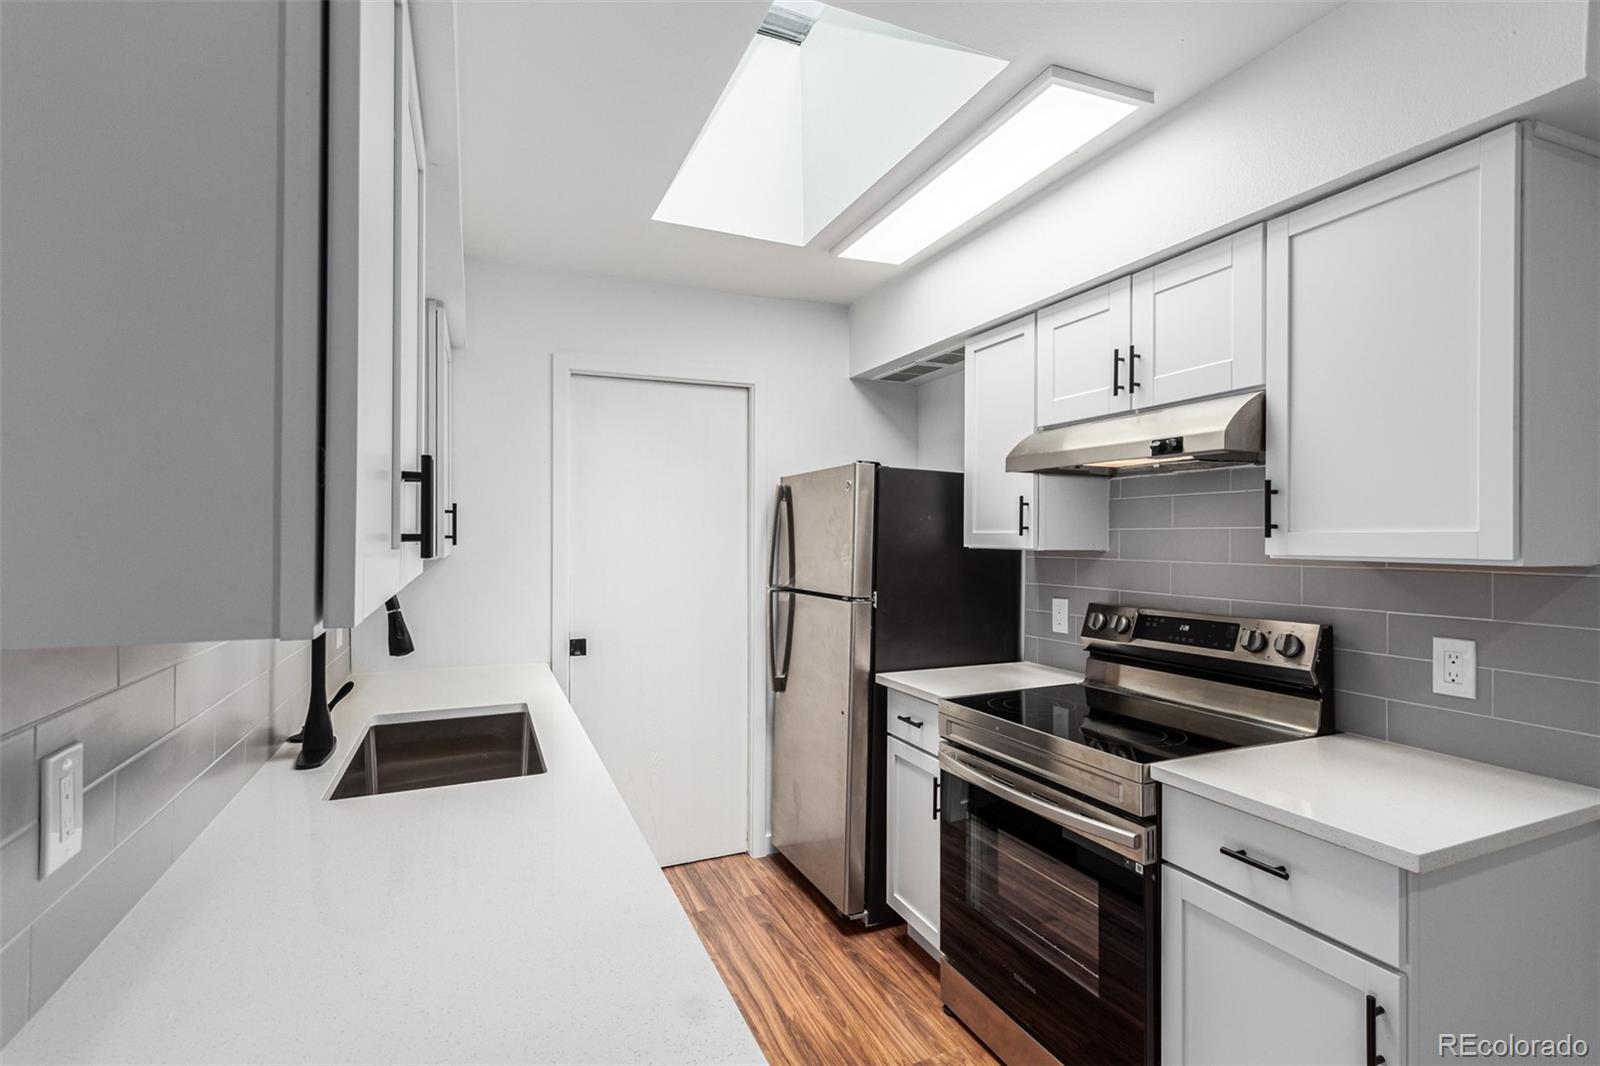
[1373, 1010]
[910, 721]
[1280, 872]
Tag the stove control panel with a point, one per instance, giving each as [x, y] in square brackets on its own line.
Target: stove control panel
[1293, 644]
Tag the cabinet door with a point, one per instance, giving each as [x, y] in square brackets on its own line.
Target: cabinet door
[913, 835]
[1240, 985]
[999, 373]
[1198, 327]
[1391, 363]
[410, 312]
[440, 375]
[1083, 356]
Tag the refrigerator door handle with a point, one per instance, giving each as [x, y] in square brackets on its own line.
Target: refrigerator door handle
[784, 507]
[779, 675]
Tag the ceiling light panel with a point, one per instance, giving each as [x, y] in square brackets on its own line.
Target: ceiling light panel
[1059, 113]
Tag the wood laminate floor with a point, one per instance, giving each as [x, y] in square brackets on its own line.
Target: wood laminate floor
[814, 989]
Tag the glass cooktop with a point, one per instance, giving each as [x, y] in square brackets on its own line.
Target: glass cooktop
[1127, 726]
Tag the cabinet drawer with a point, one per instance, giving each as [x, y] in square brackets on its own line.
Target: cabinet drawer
[914, 721]
[1347, 897]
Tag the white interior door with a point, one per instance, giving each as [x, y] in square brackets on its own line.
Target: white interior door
[659, 572]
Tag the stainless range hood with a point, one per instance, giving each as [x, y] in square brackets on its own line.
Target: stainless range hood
[1222, 430]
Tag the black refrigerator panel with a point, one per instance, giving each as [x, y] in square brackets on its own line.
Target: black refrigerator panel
[939, 603]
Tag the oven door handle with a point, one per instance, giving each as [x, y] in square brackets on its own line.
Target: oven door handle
[1067, 819]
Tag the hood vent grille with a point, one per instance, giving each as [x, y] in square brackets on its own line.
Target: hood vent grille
[1221, 430]
[937, 364]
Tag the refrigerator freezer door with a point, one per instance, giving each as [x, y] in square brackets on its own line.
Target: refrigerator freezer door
[820, 761]
[822, 531]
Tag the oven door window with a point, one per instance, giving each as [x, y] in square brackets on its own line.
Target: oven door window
[1057, 931]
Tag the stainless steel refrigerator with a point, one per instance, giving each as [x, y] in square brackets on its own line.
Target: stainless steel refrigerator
[867, 574]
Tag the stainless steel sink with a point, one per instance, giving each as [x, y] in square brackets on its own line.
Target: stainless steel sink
[442, 748]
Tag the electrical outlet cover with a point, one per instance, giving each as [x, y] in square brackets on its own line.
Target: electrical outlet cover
[60, 808]
[1455, 667]
[1059, 616]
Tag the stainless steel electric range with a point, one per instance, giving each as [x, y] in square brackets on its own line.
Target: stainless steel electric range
[1050, 830]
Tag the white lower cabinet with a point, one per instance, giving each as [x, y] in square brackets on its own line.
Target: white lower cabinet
[912, 831]
[1241, 985]
[1278, 946]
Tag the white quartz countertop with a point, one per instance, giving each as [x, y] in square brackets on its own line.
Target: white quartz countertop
[952, 681]
[520, 920]
[1411, 808]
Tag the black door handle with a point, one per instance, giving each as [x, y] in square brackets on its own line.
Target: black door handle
[451, 536]
[1116, 371]
[936, 799]
[910, 721]
[1133, 379]
[425, 477]
[1373, 1010]
[1280, 872]
[1022, 515]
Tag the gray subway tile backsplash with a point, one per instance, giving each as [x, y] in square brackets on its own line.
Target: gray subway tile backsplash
[1193, 541]
[123, 723]
[40, 683]
[171, 732]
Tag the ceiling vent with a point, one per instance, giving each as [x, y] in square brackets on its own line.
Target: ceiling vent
[938, 364]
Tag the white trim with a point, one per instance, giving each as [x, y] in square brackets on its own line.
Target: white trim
[563, 368]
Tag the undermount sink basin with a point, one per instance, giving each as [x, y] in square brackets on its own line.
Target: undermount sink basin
[443, 748]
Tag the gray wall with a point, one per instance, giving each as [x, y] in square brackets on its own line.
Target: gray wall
[170, 732]
[1193, 541]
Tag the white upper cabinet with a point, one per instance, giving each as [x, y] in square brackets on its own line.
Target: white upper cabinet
[1431, 374]
[210, 406]
[1190, 327]
[999, 413]
[1198, 325]
[375, 369]
[440, 418]
[1007, 510]
[1083, 356]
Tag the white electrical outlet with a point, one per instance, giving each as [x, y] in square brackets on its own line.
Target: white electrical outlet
[1455, 667]
[1059, 615]
[60, 808]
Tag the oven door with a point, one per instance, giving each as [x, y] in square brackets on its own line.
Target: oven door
[1048, 906]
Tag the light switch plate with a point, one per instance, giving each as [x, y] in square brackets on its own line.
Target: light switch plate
[60, 808]
[1455, 667]
[1059, 614]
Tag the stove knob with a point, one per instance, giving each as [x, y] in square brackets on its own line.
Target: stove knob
[1255, 641]
[1289, 646]
[1095, 622]
[1121, 624]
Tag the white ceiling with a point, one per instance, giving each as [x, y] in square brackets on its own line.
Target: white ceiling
[576, 115]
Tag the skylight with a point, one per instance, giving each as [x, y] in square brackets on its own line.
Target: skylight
[1056, 115]
[823, 103]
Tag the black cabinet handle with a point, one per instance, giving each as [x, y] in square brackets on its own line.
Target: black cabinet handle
[910, 721]
[451, 536]
[1373, 1010]
[1280, 872]
[1022, 515]
[1116, 371]
[1133, 377]
[425, 477]
[936, 799]
[1267, 493]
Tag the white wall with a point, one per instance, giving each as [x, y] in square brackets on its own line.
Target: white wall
[1367, 86]
[941, 410]
[489, 602]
